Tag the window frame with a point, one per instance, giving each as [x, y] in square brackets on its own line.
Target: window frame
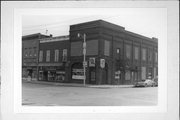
[48, 52]
[40, 55]
[56, 55]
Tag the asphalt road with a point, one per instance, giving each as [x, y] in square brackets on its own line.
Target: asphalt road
[50, 95]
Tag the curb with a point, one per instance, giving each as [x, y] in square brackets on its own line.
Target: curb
[79, 85]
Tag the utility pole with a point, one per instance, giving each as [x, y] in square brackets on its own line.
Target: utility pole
[84, 57]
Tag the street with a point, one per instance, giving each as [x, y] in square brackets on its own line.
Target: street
[50, 95]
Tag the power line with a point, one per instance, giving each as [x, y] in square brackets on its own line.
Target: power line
[60, 23]
[56, 22]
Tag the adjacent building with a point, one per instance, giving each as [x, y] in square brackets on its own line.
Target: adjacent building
[53, 59]
[30, 51]
[113, 55]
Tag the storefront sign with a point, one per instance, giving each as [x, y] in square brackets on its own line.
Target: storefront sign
[60, 72]
[91, 62]
[102, 63]
[77, 74]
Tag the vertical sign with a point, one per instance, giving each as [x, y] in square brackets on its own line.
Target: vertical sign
[91, 62]
[102, 63]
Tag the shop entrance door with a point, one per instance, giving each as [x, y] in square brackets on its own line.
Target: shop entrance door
[92, 75]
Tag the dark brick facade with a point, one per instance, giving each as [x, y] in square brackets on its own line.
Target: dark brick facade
[55, 69]
[116, 37]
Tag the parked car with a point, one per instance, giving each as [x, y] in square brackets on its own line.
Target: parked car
[156, 81]
[145, 83]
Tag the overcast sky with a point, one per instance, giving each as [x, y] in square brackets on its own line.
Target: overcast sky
[150, 22]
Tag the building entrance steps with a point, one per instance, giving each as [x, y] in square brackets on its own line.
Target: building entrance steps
[79, 85]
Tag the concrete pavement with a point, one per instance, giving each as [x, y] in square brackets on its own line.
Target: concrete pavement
[50, 95]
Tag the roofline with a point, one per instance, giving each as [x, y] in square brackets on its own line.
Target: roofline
[54, 39]
[117, 28]
[33, 35]
[141, 36]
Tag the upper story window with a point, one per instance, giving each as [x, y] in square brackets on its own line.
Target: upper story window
[106, 48]
[136, 53]
[128, 51]
[144, 54]
[30, 52]
[91, 48]
[35, 51]
[48, 56]
[64, 55]
[40, 56]
[118, 51]
[25, 52]
[76, 48]
[150, 55]
[156, 57]
[56, 55]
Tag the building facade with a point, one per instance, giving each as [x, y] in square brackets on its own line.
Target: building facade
[53, 59]
[30, 50]
[118, 56]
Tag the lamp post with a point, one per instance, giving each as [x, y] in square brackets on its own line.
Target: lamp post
[84, 53]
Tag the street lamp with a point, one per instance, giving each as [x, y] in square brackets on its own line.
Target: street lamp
[84, 53]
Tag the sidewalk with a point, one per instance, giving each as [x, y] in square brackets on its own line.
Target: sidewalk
[78, 84]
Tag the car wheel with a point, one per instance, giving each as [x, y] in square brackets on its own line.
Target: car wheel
[145, 85]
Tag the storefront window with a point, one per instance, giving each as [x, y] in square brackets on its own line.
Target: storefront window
[77, 74]
[60, 76]
[51, 75]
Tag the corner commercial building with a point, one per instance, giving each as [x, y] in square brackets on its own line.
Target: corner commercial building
[128, 57]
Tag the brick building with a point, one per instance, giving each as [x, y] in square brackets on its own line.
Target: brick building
[53, 59]
[30, 50]
[128, 57]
